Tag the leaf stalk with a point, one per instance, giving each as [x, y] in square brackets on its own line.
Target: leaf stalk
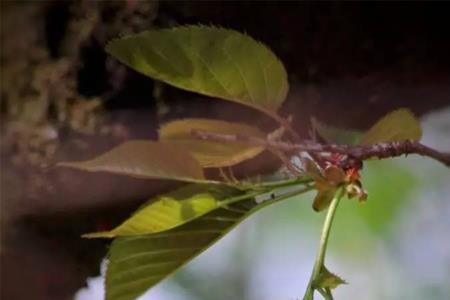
[320, 258]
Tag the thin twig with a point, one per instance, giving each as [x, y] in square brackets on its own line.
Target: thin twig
[286, 124]
[359, 152]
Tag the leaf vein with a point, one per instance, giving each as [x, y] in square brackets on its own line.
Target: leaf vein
[144, 266]
[263, 71]
[213, 74]
[141, 254]
[240, 73]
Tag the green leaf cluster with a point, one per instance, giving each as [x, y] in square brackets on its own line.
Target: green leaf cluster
[173, 228]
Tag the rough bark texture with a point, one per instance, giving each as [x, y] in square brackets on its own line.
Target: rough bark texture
[64, 99]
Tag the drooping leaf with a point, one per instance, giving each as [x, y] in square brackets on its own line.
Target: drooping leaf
[145, 159]
[398, 125]
[328, 280]
[171, 210]
[334, 135]
[326, 183]
[137, 263]
[209, 153]
[323, 198]
[212, 61]
[334, 175]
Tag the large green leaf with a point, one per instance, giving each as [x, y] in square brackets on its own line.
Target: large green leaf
[212, 61]
[171, 210]
[209, 153]
[145, 159]
[398, 125]
[137, 263]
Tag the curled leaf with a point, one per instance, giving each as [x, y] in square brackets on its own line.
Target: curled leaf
[334, 175]
[355, 189]
[325, 194]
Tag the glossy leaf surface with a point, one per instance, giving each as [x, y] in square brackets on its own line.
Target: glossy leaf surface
[137, 263]
[170, 210]
[211, 61]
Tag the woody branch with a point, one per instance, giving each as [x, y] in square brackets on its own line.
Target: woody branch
[359, 152]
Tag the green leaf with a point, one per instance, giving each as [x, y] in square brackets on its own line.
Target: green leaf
[170, 210]
[209, 153]
[326, 279]
[211, 61]
[145, 159]
[398, 125]
[137, 263]
[334, 135]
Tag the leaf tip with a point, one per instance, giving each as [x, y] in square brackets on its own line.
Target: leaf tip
[327, 279]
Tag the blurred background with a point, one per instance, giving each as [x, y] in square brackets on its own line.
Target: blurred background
[63, 98]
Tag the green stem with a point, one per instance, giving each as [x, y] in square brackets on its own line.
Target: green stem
[319, 263]
[329, 294]
[326, 293]
[262, 185]
[301, 189]
[290, 194]
[280, 183]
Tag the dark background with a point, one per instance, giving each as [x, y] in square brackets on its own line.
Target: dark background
[348, 64]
